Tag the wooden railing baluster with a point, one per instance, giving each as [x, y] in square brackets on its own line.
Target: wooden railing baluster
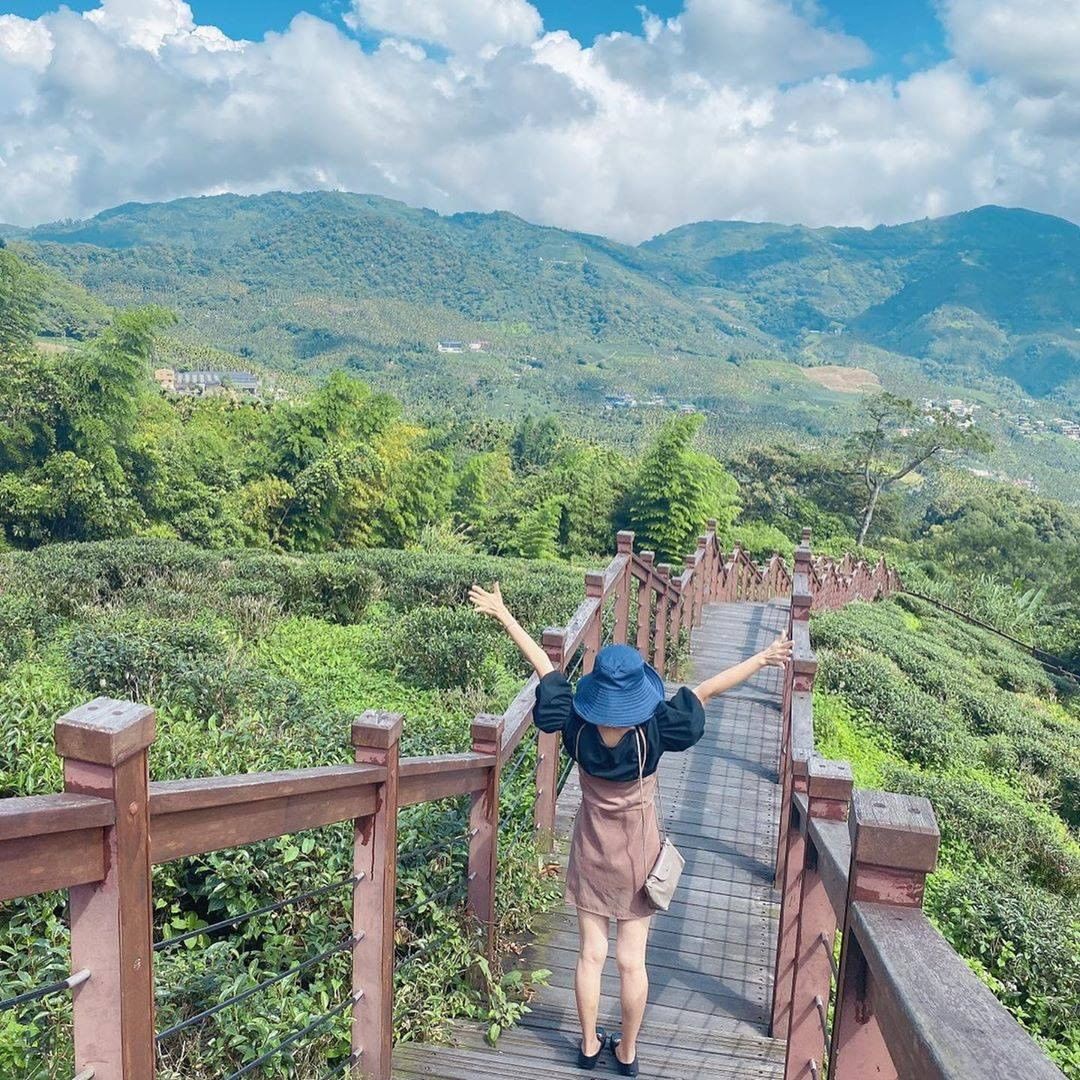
[594, 589]
[624, 544]
[104, 746]
[486, 735]
[644, 604]
[376, 739]
[547, 753]
[660, 630]
[828, 796]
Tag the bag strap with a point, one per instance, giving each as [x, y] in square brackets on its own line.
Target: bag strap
[640, 747]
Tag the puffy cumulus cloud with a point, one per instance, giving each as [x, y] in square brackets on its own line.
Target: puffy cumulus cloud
[736, 108]
[1032, 42]
[468, 27]
[724, 41]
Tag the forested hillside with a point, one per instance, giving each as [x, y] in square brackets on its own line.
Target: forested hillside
[723, 316]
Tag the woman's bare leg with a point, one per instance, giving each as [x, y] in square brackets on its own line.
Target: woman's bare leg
[592, 952]
[632, 938]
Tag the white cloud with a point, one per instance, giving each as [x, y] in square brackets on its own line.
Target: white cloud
[465, 27]
[1035, 43]
[737, 108]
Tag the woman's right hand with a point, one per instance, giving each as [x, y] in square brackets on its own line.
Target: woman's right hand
[488, 603]
[778, 654]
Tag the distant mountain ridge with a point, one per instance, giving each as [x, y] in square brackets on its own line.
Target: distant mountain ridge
[989, 292]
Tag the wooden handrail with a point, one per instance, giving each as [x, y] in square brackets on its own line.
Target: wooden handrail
[904, 1003]
[100, 837]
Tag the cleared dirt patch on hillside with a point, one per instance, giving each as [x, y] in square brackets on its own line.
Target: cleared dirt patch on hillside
[845, 380]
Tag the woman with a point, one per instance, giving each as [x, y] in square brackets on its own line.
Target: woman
[616, 726]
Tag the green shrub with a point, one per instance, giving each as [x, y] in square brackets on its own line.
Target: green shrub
[1026, 940]
[432, 647]
[130, 655]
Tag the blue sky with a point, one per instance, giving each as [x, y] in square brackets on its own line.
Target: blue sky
[901, 33]
[842, 112]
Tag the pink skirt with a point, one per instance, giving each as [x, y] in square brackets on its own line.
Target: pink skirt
[612, 850]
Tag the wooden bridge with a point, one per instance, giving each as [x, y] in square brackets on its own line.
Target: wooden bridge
[786, 865]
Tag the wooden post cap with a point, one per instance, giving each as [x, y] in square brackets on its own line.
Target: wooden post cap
[895, 831]
[702, 541]
[664, 569]
[486, 728]
[829, 779]
[594, 583]
[689, 561]
[104, 731]
[647, 557]
[676, 582]
[552, 636]
[806, 534]
[624, 541]
[377, 730]
[711, 524]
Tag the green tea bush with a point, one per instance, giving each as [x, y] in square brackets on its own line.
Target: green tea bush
[129, 655]
[539, 593]
[433, 647]
[1026, 940]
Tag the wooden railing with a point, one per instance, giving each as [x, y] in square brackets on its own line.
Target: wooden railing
[899, 1002]
[99, 838]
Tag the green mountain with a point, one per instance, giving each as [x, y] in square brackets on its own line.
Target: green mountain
[731, 317]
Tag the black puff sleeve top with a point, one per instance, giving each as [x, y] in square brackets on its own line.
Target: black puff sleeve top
[676, 724]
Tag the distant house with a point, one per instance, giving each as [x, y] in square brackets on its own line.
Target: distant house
[197, 383]
[451, 346]
[479, 346]
[165, 377]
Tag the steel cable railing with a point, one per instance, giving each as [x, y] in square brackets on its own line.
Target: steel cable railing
[61, 986]
[295, 1037]
[251, 991]
[269, 909]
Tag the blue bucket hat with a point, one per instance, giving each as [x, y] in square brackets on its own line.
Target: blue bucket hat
[620, 691]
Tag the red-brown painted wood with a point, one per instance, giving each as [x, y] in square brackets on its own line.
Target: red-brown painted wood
[547, 755]
[897, 834]
[112, 920]
[625, 546]
[828, 795]
[375, 738]
[644, 605]
[484, 830]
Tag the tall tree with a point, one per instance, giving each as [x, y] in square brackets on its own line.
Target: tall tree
[19, 303]
[677, 489]
[898, 439]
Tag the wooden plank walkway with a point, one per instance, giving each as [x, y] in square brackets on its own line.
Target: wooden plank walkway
[711, 956]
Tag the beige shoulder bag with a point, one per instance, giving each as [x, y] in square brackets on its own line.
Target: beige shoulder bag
[664, 876]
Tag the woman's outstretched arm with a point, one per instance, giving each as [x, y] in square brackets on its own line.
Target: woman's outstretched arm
[491, 603]
[776, 655]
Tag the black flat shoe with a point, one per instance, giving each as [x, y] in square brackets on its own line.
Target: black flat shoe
[586, 1062]
[621, 1067]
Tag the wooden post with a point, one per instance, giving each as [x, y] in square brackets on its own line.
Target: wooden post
[701, 594]
[484, 829]
[792, 859]
[799, 680]
[688, 595]
[375, 738]
[625, 546]
[712, 550]
[828, 797]
[644, 604]
[547, 753]
[594, 589]
[661, 627]
[104, 746]
[894, 845]
[675, 609]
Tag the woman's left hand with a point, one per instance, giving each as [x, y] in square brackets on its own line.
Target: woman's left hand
[777, 654]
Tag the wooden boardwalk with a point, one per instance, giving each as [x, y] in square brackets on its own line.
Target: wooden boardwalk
[711, 957]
